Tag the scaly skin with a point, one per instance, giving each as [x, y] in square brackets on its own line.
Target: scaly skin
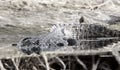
[89, 36]
[50, 41]
[92, 33]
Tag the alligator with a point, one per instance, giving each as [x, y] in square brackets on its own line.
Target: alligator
[87, 36]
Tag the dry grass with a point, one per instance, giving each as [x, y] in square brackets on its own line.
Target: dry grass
[21, 18]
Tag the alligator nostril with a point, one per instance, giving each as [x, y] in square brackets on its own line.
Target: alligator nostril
[14, 44]
[71, 42]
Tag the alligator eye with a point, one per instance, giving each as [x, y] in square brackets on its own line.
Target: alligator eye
[71, 42]
[60, 44]
[26, 39]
